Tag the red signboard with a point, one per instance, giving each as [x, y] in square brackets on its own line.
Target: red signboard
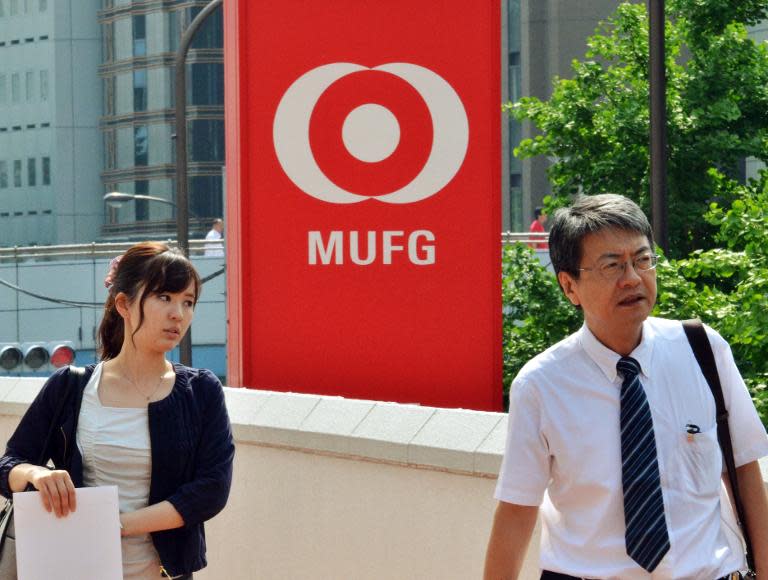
[363, 199]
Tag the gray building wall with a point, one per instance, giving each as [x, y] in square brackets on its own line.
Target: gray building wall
[759, 34]
[49, 112]
[551, 34]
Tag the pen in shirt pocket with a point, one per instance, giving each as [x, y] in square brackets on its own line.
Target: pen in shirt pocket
[691, 429]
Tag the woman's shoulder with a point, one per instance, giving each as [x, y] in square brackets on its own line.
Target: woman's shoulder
[201, 382]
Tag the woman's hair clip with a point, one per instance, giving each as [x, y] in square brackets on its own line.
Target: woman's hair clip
[109, 281]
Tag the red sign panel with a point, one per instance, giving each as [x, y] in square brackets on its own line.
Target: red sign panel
[363, 170]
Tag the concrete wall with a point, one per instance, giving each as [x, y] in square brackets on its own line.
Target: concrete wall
[332, 488]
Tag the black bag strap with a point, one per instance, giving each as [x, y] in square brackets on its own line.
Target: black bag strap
[702, 350]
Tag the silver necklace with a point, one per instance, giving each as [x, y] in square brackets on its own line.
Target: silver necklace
[142, 393]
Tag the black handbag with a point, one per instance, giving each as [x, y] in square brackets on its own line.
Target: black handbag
[7, 531]
[702, 350]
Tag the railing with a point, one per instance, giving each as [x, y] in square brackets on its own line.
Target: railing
[197, 247]
[88, 251]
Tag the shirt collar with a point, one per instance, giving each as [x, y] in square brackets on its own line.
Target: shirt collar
[606, 359]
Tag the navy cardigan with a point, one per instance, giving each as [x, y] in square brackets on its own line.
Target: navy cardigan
[192, 454]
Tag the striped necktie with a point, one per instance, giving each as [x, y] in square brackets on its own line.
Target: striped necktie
[646, 536]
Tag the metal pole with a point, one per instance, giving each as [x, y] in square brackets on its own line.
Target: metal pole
[182, 200]
[658, 142]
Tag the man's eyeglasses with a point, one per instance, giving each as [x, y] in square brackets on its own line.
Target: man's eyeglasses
[612, 270]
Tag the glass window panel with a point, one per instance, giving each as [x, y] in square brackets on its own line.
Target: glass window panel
[141, 205]
[15, 87]
[211, 33]
[207, 84]
[43, 5]
[206, 197]
[140, 35]
[32, 172]
[43, 85]
[140, 90]
[206, 140]
[3, 173]
[3, 87]
[14, 7]
[140, 145]
[46, 170]
[29, 86]
[17, 173]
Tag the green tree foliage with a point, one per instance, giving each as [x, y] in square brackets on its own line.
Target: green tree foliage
[536, 314]
[728, 287]
[596, 124]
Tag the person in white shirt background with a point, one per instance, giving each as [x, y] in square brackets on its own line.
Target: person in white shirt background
[565, 456]
[215, 247]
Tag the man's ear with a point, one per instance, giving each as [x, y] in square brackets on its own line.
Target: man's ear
[568, 284]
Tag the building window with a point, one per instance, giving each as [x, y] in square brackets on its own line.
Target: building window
[206, 140]
[206, 84]
[211, 33]
[14, 7]
[32, 172]
[46, 170]
[140, 146]
[206, 196]
[43, 5]
[109, 41]
[3, 171]
[141, 205]
[2, 8]
[15, 88]
[173, 30]
[140, 35]
[3, 86]
[29, 85]
[140, 90]
[17, 173]
[43, 85]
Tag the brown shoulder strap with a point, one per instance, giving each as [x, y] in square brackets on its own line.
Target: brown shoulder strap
[702, 350]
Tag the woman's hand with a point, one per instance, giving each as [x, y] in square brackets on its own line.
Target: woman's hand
[56, 489]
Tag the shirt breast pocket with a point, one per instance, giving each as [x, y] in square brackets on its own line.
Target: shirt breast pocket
[701, 463]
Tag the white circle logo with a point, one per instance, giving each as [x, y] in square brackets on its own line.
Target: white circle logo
[371, 133]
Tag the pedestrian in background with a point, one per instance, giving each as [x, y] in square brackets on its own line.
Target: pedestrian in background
[158, 431]
[214, 247]
[537, 227]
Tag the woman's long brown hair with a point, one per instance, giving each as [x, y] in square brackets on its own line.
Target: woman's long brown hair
[146, 268]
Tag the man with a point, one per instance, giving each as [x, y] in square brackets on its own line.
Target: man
[614, 427]
[537, 227]
[215, 248]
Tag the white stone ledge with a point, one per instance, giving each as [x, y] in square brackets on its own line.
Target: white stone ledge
[452, 440]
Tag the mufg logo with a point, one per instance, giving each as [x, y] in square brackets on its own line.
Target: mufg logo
[371, 148]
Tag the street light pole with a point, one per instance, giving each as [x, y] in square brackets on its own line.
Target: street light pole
[182, 200]
[658, 140]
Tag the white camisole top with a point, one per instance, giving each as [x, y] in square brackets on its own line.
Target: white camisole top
[116, 450]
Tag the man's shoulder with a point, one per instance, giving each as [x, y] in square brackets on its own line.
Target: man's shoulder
[551, 360]
[672, 330]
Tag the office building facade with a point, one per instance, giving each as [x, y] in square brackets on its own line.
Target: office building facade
[140, 40]
[50, 105]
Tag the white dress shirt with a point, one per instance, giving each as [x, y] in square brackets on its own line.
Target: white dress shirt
[563, 447]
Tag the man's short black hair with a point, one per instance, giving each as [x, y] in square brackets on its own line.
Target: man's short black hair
[587, 215]
[537, 211]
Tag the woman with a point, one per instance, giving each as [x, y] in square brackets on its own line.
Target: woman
[157, 430]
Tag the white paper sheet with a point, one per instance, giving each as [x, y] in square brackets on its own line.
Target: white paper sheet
[85, 545]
